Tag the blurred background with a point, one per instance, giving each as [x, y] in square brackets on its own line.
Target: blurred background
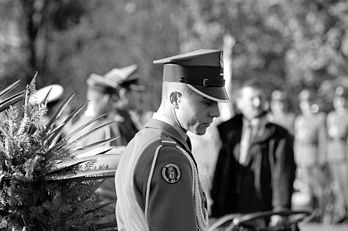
[288, 44]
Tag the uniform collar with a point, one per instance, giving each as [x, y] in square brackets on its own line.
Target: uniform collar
[169, 127]
[172, 123]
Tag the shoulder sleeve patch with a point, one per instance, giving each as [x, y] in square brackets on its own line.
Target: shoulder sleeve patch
[171, 173]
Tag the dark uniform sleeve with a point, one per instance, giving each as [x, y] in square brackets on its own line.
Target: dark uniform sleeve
[170, 204]
[283, 173]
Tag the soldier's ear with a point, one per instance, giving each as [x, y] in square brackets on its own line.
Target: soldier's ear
[175, 98]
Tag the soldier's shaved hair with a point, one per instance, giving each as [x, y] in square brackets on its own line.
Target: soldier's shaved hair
[169, 87]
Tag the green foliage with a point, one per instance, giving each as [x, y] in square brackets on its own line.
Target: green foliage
[43, 186]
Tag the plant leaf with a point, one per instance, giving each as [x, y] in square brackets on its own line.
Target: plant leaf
[90, 132]
[54, 134]
[4, 104]
[59, 111]
[74, 162]
[83, 126]
[83, 175]
[82, 151]
[89, 147]
[9, 88]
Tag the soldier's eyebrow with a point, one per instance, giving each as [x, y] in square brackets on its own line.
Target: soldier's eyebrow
[207, 101]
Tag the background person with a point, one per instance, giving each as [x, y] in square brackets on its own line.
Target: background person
[103, 93]
[126, 101]
[255, 168]
[310, 149]
[337, 151]
[281, 113]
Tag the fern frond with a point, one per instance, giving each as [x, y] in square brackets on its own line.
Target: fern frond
[33, 81]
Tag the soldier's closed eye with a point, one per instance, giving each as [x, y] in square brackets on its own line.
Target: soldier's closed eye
[208, 102]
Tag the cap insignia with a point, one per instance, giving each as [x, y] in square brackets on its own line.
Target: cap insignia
[171, 173]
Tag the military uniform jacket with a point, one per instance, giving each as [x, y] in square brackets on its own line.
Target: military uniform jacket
[157, 183]
[126, 127]
[337, 127]
[264, 182]
[310, 139]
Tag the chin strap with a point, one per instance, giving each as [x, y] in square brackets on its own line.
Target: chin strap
[177, 120]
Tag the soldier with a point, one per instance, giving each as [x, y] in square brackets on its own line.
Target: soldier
[280, 110]
[337, 151]
[106, 94]
[310, 148]
[103, 93]
[157, 181]
[127, 99]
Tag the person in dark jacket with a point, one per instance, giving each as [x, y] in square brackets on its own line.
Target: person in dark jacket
[255, 168]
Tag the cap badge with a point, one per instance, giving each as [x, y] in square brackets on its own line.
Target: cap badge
[171, 173]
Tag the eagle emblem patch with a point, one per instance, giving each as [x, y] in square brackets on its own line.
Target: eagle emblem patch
[171, 173]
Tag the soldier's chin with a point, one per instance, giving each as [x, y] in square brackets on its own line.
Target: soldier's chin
[201, 131]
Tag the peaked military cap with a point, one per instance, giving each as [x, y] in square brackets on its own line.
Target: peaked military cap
[201, 70]
[53, 93]
[113, 80]
[124, 78]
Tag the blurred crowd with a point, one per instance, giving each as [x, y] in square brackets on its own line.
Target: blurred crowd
[319, 146]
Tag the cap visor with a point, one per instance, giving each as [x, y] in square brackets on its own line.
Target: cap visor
[218, 94]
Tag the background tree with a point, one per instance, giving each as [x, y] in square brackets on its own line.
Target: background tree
[286, 44]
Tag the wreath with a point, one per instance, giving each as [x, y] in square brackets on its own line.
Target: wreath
[43, 183]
